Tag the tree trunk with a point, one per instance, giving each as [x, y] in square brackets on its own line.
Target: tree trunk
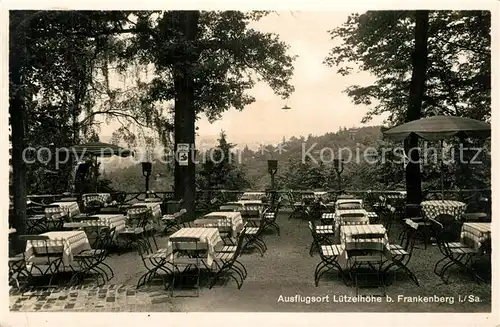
[185, 112]
[417, 89]
[17, 113]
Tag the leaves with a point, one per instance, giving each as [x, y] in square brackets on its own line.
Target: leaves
[381, 43]
[220, 169]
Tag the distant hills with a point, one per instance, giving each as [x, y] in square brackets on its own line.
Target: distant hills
[253, 157]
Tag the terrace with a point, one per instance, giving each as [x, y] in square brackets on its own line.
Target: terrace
[283, 274]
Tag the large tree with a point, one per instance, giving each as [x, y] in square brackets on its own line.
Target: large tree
[203, 62]
[382, 43]
[220, 168]
[392, 47]
[206, 62]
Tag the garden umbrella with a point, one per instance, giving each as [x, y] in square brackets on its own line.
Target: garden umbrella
[101, 150]
[439, 128]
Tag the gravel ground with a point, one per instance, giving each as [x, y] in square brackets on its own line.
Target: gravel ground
[286, 269]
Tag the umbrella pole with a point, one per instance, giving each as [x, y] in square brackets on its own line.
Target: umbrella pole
[442, 171]
[96, 171]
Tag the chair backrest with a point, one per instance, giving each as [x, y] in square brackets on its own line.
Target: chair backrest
[241, 238]
[105, 237]
[143, 249]
[409, 236]
[312, 228]
[442, 237]
[251, 210]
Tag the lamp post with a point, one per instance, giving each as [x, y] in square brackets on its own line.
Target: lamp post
[338, 165]
[272, 168]
[146, 172]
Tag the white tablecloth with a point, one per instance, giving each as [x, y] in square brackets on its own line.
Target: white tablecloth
[111, 220]
[223, 220]
[350, 242]
[67, 243]
[208, 237]
[244, 206]
[348, 237]
[475, 234]
[339, 214]
[70, 208]
[358, 203]
[434, 208]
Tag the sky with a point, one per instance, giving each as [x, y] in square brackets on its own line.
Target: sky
[318, 105]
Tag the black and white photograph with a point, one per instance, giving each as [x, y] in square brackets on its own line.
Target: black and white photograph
[227, 160]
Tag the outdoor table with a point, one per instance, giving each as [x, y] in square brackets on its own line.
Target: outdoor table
[71, 209]
[377, 241]
[345, 196]
[116, 221]
[340, 212]
[433, 208]
[252, 196]
[355, 202]
[245, 206]
[155, 208]
[67, 243]
[336, 216]
[225, 221]
[208, 237]
[475, 234]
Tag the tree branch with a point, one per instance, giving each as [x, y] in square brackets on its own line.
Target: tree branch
[113, 113]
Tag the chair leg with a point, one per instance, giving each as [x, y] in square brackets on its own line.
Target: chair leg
[275, 225]
[437, 263]
[405, 269]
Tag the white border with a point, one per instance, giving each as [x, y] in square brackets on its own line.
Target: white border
[231, 319]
